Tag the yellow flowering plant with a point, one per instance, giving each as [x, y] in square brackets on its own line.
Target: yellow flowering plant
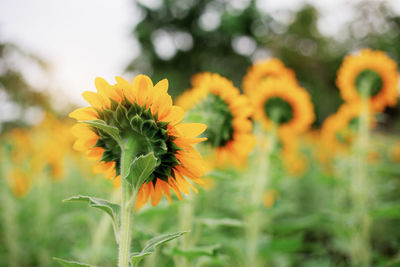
[135, 134]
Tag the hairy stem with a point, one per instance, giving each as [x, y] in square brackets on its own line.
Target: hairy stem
[128, 200]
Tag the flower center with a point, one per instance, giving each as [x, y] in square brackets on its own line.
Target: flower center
[368, 83]
[214, 112]
[150, 135]
[346, 136]
[278, 110]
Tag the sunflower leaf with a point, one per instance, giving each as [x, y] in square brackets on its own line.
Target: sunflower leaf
[66, 263]
[151, 246]
[111, 209]
[110, 130]
[140, 169]
[195, 252]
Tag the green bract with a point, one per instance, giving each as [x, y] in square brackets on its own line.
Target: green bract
[369, 82]
[214, 112]
[136, 123]
[278, 110]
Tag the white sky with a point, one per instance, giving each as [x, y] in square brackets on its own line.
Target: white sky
[83, 39]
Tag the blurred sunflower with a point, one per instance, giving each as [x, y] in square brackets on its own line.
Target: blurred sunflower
[283, 103]
[144, 114]
[53, 141]
[265, 70]
[370, 73]
[217, 102]
[339, 129]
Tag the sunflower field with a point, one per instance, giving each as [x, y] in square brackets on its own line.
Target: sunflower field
[255, 142]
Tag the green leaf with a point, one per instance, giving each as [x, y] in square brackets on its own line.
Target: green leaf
[111, 209]
[111, 130]
[210, 222]
[195, 252]
[140, 169]
[66, 263]
[151, 246]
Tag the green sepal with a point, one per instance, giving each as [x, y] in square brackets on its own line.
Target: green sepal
[111, 209]
[110, 130]
[141, 169]
[151, 246]
[67, 263]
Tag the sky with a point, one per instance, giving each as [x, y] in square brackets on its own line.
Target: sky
[84, 39]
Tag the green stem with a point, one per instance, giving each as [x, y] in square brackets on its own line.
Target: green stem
[360, 194]
[186, 217]
[128, 200]
[260, 181]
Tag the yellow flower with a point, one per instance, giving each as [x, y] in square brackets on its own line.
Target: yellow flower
[53, 141]
[215, 100]
[370, 71]
[264, 70]
[339, 129]
[142, 112]
[284, 103]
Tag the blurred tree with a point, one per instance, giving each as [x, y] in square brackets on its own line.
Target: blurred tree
[16, 93]
[179, 38]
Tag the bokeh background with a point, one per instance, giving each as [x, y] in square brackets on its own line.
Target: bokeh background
[51, 51]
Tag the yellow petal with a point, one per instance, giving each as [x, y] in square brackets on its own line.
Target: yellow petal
[142, 85]
[156, 193]
[190, 129]
[175, 115]
[162, 86]
[82, 114]
[82, 131]
[103, 87]
[95, 100]
[127, 88]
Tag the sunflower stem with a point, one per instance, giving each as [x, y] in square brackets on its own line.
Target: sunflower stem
[128, 200]
[260, 181]
[186, 218]
[360, 190]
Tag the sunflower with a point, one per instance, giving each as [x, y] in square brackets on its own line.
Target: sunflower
[285, 104]
[215, 100]
[142, 113]
[339, 129]
[370, 73]
[265, 70]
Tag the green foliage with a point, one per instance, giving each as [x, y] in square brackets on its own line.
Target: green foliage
[141, 169]
[102, 126]
[111, 209]
[151, 246]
